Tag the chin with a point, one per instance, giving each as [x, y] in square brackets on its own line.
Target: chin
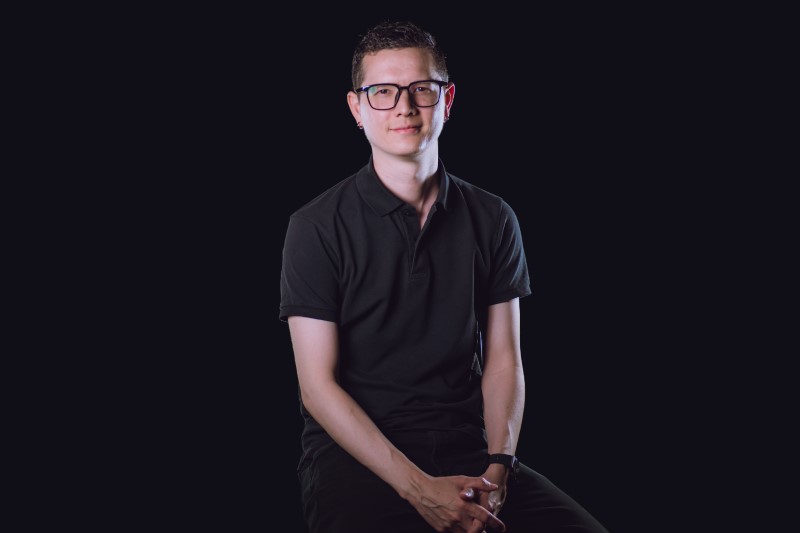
[410, 149]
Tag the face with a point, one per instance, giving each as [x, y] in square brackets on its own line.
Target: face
[405, 130]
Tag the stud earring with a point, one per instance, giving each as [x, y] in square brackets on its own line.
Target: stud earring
[360, 126]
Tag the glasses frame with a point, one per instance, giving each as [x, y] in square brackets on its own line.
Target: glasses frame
[400, 88]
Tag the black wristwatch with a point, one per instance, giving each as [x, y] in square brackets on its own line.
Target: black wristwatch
[509, 461]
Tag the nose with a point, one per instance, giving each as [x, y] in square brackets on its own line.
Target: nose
[404, 102]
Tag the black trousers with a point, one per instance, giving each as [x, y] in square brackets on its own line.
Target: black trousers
[340, 495]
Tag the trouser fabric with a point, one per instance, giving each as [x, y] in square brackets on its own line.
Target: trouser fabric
[340, 495]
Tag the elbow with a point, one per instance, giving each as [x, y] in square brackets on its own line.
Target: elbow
[315, 396]
[308, 399]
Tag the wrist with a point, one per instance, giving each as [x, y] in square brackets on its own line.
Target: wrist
[412, 487]
[509, 463]
[497, 473]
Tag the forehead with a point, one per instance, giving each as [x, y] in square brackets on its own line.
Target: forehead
[403, 66]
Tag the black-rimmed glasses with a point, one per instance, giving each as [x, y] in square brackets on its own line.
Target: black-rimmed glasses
[383, 96]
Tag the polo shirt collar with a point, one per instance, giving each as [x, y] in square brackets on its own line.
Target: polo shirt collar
[382, 201]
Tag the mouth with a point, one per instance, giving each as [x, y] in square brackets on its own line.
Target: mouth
[407, 129]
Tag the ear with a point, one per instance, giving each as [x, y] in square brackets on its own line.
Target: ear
[449, 95]
[354, 103]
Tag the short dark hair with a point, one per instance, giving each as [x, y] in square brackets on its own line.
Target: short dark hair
[392, 35]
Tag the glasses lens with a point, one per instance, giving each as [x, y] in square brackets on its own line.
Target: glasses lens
[425, 93]
[382, 96]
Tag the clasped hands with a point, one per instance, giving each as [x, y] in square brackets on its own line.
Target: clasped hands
[460, 503]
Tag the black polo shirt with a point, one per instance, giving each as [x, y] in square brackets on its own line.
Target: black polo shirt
[410, 303]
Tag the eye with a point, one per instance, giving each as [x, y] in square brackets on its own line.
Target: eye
[382, 91]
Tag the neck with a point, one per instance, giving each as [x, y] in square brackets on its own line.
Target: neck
[412, 180]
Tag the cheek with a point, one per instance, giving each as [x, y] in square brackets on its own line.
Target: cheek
[371, 119]
[436, 121]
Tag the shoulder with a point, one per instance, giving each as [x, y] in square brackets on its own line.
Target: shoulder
[325, 206]
[481, 200]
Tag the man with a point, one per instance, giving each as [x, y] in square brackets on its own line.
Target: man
[401, 288]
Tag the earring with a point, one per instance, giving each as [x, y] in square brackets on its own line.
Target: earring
[360, 126]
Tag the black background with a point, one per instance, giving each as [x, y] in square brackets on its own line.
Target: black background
[594, 129]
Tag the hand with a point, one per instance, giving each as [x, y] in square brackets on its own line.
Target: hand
[494, 499]
[442, 502]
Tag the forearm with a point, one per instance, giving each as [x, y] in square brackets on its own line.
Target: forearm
[503, 406]
[350, 426]
[503, 381]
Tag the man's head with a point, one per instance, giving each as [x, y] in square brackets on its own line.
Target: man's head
[393, 36]
[401, 95]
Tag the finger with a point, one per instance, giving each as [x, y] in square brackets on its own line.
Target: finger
[482, 515]
[477, 527]
[481, 484]
[489, 486]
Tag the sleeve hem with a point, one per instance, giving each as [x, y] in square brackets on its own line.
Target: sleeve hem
[509, 294]
[309, 312]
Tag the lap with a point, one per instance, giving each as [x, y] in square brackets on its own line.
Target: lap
[340, 494]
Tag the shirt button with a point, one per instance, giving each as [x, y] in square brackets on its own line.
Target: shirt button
[409, 212]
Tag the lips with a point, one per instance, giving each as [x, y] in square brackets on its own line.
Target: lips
[406, 129]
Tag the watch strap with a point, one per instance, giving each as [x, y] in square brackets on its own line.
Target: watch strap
[509, 461]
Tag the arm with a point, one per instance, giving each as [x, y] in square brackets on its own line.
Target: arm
[503, 386]
[315, 344]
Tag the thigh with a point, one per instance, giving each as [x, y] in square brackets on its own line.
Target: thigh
[341, 495]
[534, 503]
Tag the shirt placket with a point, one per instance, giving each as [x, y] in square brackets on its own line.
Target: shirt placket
[418, 257]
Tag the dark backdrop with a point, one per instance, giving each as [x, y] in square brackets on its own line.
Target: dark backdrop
[228, 122]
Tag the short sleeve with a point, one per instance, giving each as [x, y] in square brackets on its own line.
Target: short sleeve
[509, 277]
[309, 273]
